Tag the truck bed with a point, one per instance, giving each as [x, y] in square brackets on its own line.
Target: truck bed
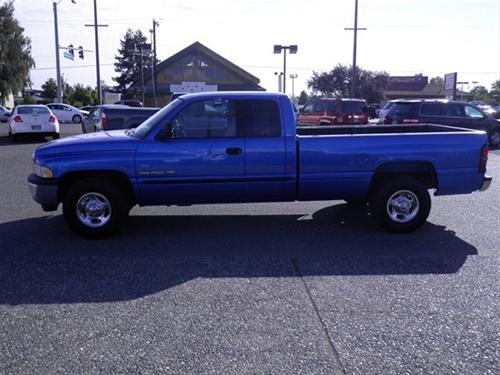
[379, 129]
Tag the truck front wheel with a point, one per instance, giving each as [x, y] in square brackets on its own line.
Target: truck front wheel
[401, 205]
[94, 208]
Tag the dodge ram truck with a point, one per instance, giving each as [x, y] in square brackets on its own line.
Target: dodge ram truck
[235, 147]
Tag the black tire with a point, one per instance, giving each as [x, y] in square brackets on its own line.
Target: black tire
[409, 191]
[77, 119]
[55, 136]
[356, 202]
[13, 137]
[116, 215]
[494, 138]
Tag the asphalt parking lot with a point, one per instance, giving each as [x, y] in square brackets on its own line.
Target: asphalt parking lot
[299, 288]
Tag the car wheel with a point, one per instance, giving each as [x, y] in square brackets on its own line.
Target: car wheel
[94, 208]
[494, 139]
[401, 205]
[77, 119]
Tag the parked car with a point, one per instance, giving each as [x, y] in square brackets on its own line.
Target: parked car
[33, 119]
[385, 108]
[333, 111]
[4, 114]
[87, 108]
[67, 113]
[113, 117]
[244, 147]
[130, 103]
[444, 112]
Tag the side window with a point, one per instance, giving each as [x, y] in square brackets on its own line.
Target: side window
[319, 107]
[205, 119]
[331, 106]
[308, 108]
[433, 109]
[472, 112]
[455, 110]
[257, 118]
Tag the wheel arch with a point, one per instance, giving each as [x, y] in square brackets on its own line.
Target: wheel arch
[112, 176]
[424, 171]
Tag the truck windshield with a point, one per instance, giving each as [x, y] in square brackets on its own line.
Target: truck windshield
[147, 125]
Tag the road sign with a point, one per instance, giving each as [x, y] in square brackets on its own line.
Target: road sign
[69, 56]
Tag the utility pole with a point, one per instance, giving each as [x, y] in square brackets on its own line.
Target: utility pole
[142, 73]
[155, 24]
[98, 69]
[354, 80]
[58, 63]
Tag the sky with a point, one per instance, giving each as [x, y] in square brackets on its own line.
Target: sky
[403, 37]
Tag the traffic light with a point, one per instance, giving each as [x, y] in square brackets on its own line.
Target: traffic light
[71, 51]
[80, 52]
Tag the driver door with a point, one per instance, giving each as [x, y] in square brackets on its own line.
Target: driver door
[202, 161]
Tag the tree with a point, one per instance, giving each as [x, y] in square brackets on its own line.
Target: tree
[82, 95]
[29, 100]
[480, 93]
[437, 81]
[128, 63]
[337, 82]
[303, 98]
[49, 89]
[15, 53]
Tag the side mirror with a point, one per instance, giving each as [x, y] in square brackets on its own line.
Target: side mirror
[166, 132]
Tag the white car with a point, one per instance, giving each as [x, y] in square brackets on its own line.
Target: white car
[33, 119]
[4, 114]
[67, 113]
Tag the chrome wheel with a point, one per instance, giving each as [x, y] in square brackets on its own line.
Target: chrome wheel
[93, 210]
[403, 206]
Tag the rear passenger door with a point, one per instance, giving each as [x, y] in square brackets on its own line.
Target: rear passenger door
[259, 121]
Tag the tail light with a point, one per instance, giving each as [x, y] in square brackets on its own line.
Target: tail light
[410, 121]
[52, 119]
[104, 120]
[484, 158]
[17, 118]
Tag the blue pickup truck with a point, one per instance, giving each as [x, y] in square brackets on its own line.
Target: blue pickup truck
[223, 147]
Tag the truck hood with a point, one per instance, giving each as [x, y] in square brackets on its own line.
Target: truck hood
[101, 142]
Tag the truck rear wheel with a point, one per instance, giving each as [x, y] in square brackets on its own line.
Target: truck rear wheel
[94, 208]
[401, 205]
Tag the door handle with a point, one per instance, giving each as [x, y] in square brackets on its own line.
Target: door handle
[233, 151]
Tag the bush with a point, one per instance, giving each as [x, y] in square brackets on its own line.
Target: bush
[29, 100]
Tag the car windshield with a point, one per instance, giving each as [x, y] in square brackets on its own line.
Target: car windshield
[353, 106]
[147, 125]
[32, 110]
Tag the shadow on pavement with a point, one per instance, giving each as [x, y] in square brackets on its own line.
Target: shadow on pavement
[43, 262]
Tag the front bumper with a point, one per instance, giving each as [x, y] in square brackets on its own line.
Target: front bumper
[44, 191]
[486, 183]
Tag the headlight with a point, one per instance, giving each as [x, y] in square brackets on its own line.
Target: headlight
[42, 171]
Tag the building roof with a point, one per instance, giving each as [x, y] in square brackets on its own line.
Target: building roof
[199, 48]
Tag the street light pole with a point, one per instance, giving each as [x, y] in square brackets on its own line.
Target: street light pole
[155, 101]
[277, 50]
[293, 76]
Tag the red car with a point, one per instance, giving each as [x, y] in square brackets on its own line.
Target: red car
[333, 111]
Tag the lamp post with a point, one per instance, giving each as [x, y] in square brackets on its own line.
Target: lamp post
[277, 50]
[58, 62]
[279, 75]
[293, 76]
